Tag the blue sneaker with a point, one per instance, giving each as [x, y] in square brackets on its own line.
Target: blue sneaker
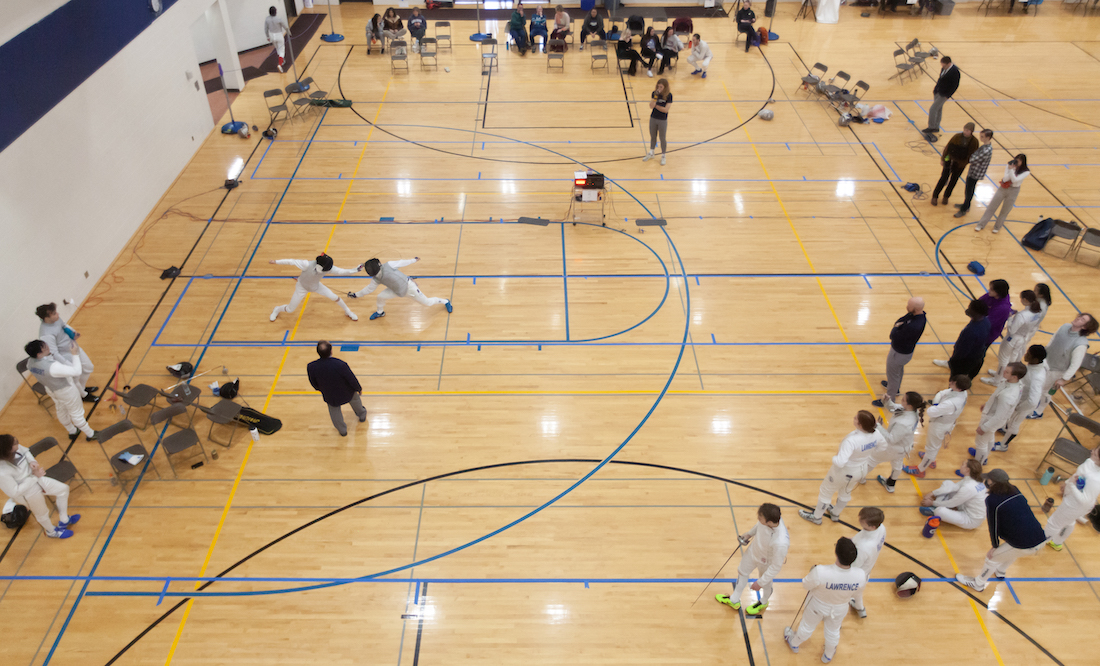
[73, 520]
[959, 474]
[999, 446]
[59, 534]
[376, 315]
[696, 72]
[925, 511]
[704, 75]
[973, 452]
[450, 308]
[1034, 415]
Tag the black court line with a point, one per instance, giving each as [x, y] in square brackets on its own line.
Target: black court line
[183, 601]
[420, 626]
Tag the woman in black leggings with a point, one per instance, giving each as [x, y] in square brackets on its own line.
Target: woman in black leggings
[651, 48]
[624, 51]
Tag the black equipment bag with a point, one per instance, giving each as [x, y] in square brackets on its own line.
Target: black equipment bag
[1037, 238]
[16, 518]
[267, 425]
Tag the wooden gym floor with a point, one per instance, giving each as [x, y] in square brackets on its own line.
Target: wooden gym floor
[716, 363]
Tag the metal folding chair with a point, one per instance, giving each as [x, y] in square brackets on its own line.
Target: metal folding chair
[224, 412]
[1091, 238]
[63, 470]
[399, 55]
[598, 59]
[36, 386]
[139, 397]
[810, 81]
[441, 37]
[1066, 233]
[118, 465]
[554, 55]
[275, 110]
[488, 55]
[428, 49]
[179, 441]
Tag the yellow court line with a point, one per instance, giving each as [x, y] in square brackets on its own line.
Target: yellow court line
[251, 443]
[640, 392]
[364, 151]
[851, 349]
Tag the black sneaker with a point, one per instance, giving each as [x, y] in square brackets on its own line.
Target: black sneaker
[91, 438]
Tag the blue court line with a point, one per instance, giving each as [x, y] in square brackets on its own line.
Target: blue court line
[173, 310]
[939, 262]
[107, 542]
[565, 281]
[1009, 584]
[868, 282]
[257, 167]
[896, 176]
[1041, 267]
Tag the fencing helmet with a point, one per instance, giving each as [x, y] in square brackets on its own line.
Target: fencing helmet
[907, 584]
[766, 114]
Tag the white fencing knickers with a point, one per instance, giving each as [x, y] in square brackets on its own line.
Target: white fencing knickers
[933, 442]
[69, 407]
[957, 518]
[86, 370]
[1061, 523]
[1003, 555]
[300, 294]
[279, 42]
[414, 293]
[815, 612]
[744, 570]
[982, 445]
[699, 63]
[35, 500]
[839, 481]
[1053, 375]
[1009, 352]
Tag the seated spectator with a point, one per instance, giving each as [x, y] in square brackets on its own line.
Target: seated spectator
[374, 32]
[745, 18]
[538, 27]
[392, 27]
[517, 27]
[625, 51]
[593, 25]
[418, 26]
[670, 48]
[651, 48]
[24, 481]
[563, 25]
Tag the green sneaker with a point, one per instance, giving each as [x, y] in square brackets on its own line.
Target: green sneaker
[725, 599]
[755, 609]
[1055, 546]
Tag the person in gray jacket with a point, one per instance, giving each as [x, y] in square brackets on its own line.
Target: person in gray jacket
[394, 283]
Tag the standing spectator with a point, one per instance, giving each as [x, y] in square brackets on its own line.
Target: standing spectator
[392, 27]
[831, 587]
[1018, 331]
[624, 50]
[997, 410]
[57, 375]
[517, 27]
[960, 503]
[670, 48]
[979, 164]
[700, 56]
[944, 412]
[374, 32]
[593, 25]
[1031, 393]
[1078, 500]
[745, 18]
[1005, 196]
[660, 101]
[418, 26]
[946, 85]
[538, 27]
[58, 337]
[651, 48]
[847, 469]
[969, 352]
[563, 25]
[1065, 353]
[956, 155]
[1011, 519]
[904, 337]
[338, 386]
[276, 30]
[24, 481]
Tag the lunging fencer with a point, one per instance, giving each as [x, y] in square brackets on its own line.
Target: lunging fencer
[310, 282]
[394, 283]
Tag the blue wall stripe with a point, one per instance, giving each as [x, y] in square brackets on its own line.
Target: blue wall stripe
[46, 62]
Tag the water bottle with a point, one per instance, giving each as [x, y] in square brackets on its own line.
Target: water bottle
[1046, 477]
[930, 527]
[1081, 483]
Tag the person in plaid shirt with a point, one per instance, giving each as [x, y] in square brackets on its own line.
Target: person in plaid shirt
[979, 164]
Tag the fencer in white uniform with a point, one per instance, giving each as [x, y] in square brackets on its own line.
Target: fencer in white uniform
[899, 438]
[997, 410]
[57, 375]
[847, 469]
[1019, 329]
[869, 541]
[960, 503]
[831, 588]
[1077, 501]
[1065, 353]
[310, 282]
[24, 481]
[394, 283]
[765, 552]
[56, 334]
[942, 415]
[276, 31]
[1031, 393]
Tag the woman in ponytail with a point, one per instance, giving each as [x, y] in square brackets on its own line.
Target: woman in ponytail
[1005, 196]
[1019, 329]
[898, 436]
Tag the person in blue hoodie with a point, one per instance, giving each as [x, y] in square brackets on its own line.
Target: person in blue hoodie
[1013, 530]
[538, 27]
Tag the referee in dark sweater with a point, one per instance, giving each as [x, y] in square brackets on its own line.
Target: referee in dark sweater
[1010, 520]
[969, 353]
[904, 337]
[337, 384]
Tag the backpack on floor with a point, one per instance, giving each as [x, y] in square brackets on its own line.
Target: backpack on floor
[16, 517]
[267, 425]
[763, 38]
[1037, 238]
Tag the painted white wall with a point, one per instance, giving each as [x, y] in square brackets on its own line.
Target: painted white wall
[76, 186]
[18, 15]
